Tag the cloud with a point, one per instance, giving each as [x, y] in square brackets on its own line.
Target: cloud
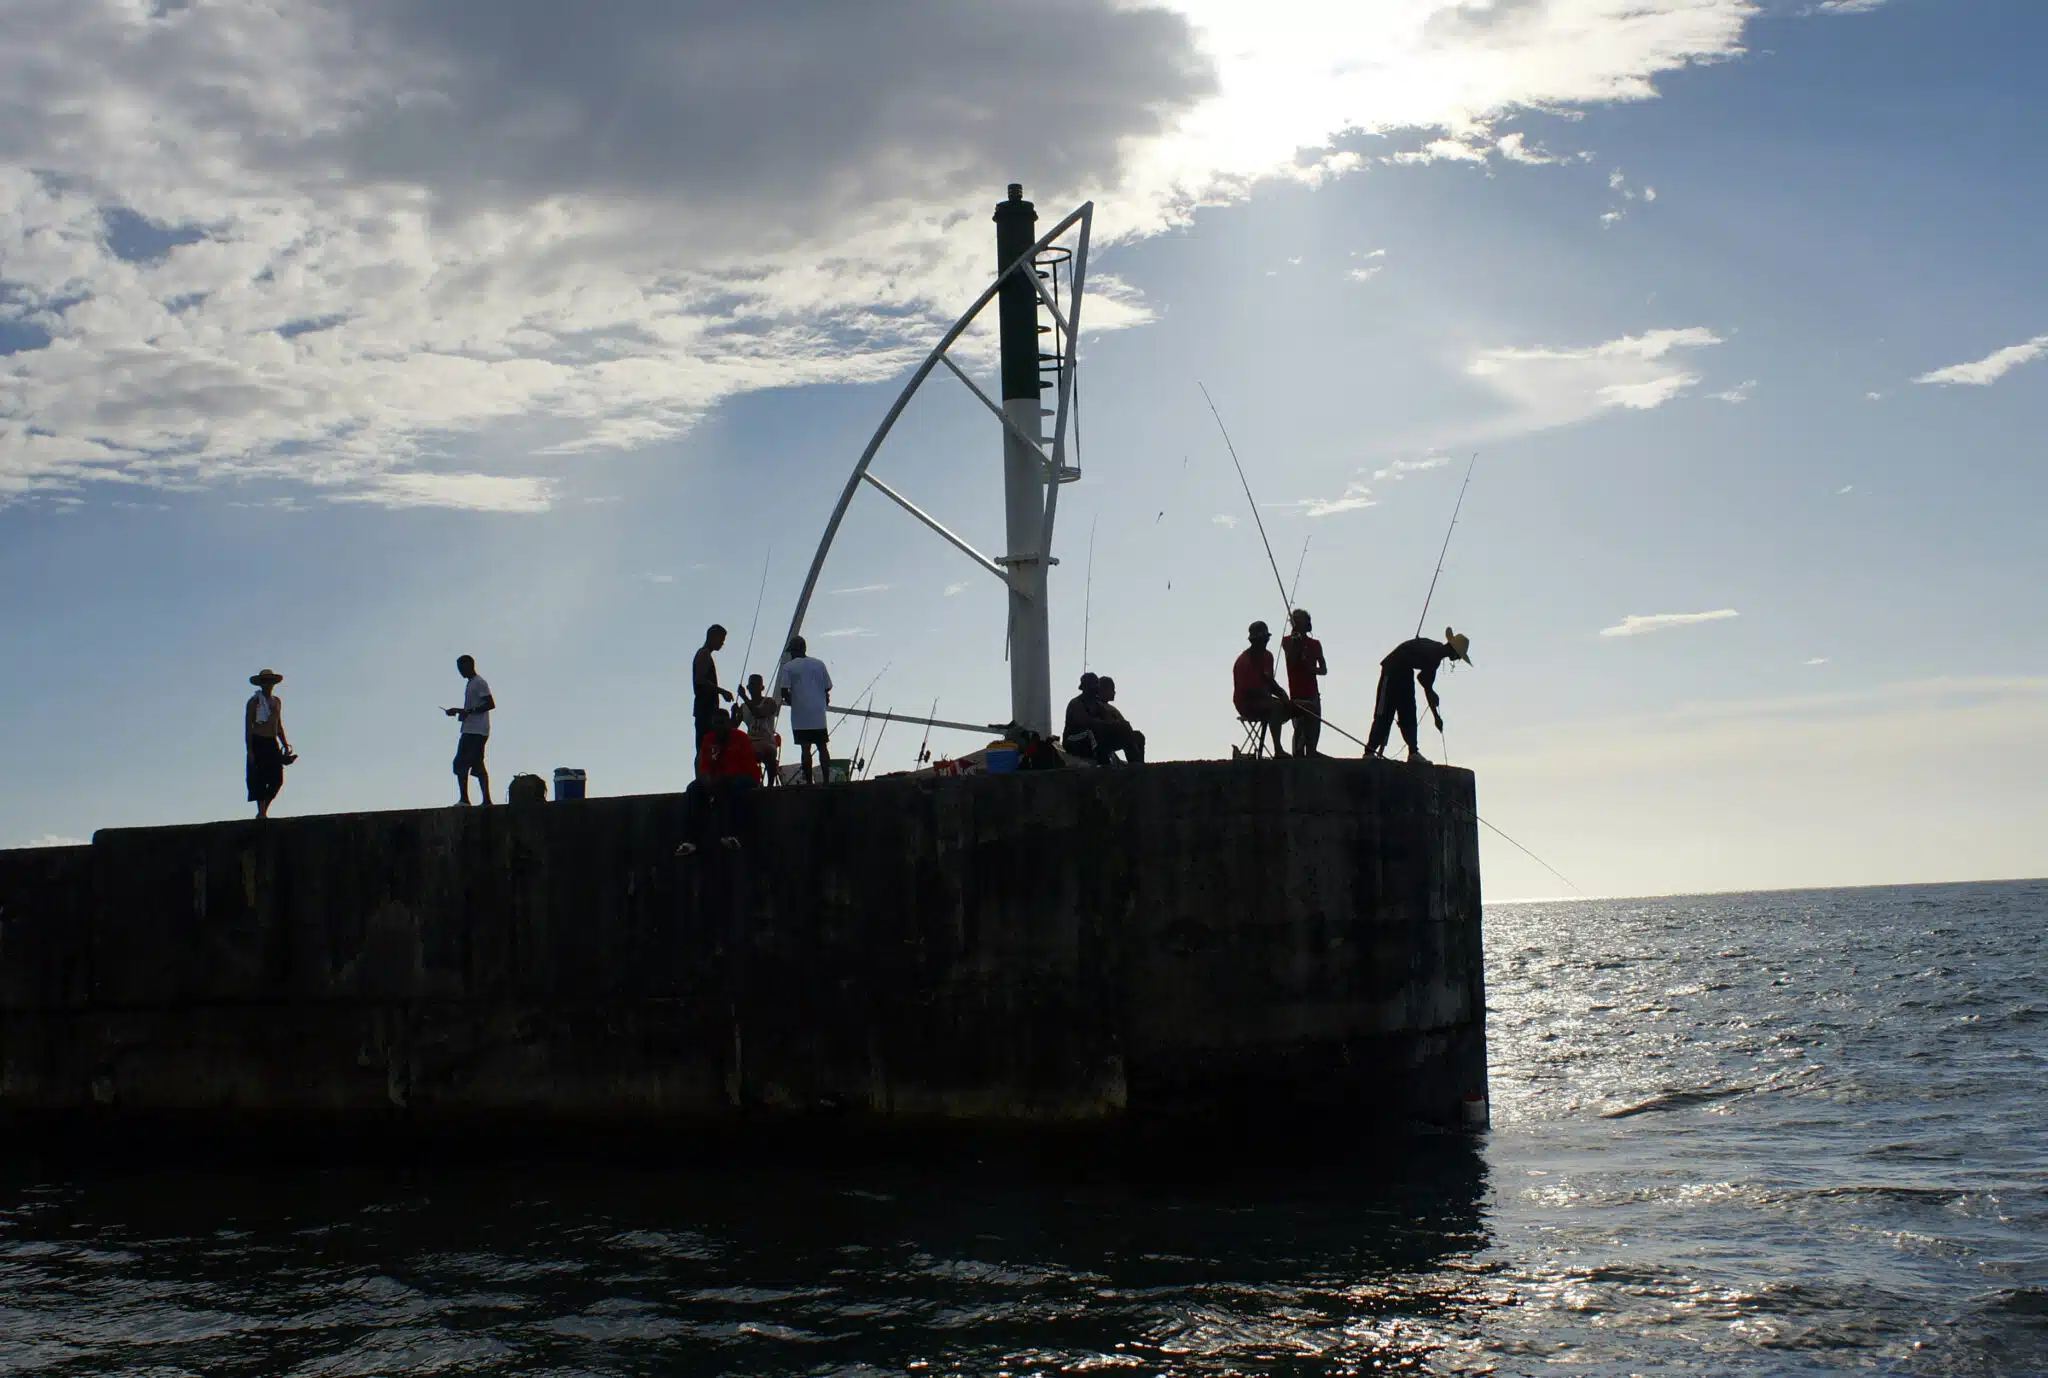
[1366, 274]
[1991, 367]
[1401, 468]
[1873, 397]
[954, 590]
[1845, 488]
[322, 241]
[1817, 660]
[841, 632]
[474, 492]
[1737, 394]
[1224, 519]
[1846, 6]
[659, 578]
[1557, 387]
[1638, 624]
[1354, 497]
[865, 588]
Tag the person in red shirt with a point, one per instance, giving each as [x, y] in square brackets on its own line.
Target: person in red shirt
[1304, 655]
[1255, 694]
[727, 770]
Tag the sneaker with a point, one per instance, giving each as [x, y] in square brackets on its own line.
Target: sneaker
[1416, 758]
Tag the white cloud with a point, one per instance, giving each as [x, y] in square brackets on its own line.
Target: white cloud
[1873, 397]
[865, 588]
[954, 590]
[1847, 6]
[659, 578]
[1845, 488]
[1365, 274]
[1817, 660]
[841, 632]
[319, 241]
[1515, 148]
[1639, 624]
[1224, 519]
[1991, 367]
[1737, 394]
[1355, 497]
[1401, 468]
[475, 492]
[1556, 387]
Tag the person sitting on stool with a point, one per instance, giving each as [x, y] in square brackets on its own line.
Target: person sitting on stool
[1407, 663]
[1255, 694]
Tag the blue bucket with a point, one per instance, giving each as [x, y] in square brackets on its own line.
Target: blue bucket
[568, 783]
[1002, 758]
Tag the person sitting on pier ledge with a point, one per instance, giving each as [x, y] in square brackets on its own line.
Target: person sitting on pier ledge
[1118, 734]
[1255, 694]
[1081, 734]
[267, 749]
[727, 770]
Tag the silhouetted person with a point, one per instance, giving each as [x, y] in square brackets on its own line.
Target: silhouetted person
[726, 771]
[1407, 663]
[805, 685]
[704, 691]
[1304, 656]
[1080, 732]
[1255, 694]
[475, 735]
[264, 741]
[756, 711]
[1118, 734]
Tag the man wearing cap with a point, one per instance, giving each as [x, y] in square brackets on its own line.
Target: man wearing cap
[475, 713]
[1407, 663]
[263, 739]
[1254, 692]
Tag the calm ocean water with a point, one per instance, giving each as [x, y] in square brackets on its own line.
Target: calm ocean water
[1769, 1134]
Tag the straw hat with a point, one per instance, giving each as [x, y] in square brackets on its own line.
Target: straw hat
[1458, 642]
[266, 678]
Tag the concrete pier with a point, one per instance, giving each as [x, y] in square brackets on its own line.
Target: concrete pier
[1231, 943]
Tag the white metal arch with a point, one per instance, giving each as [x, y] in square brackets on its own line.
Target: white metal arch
[1067, 324]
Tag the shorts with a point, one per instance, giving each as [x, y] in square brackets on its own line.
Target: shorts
[469, 752]
[264, 773]
[810, 736]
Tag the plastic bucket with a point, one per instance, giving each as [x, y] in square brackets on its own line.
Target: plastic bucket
[1002, 758]
[841, 773]
[568, 783]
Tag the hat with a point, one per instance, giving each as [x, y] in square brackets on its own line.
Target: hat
[1458, 642]
[266, 678]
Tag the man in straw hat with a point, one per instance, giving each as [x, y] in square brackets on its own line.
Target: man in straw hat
[1404, 666]
[269, 750]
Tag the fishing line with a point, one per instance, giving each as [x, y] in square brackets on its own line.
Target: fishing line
[1257, 520]
[1533, 857]
[1087, 597]
[924, 748]
[747, 660]
[1297, 569]
[1447, 543]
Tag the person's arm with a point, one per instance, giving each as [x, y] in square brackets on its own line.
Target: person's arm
[1427, 677]
[277, 715]
[248, 722]
[1322, 666]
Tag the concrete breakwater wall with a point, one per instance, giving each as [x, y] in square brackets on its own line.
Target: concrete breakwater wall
[1216, 941]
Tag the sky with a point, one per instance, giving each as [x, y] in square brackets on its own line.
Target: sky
[346, 338]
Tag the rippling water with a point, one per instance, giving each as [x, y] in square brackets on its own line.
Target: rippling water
[1787, 1133]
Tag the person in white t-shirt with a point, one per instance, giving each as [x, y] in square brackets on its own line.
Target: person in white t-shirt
[475, 713]
[806, 686]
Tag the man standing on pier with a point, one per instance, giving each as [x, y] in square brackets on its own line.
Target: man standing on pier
[1304, 666]
[806, 686]
[1407, 663]
[263, 741]
[704, 691]
[475, 713]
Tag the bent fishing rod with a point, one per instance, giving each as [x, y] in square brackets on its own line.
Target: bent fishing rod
[1287, 606]
[1430, 597]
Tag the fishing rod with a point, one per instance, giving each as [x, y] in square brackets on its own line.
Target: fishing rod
[860, 742]
[1447, 543]
[1251, 501]
[878, 745]
[864, 692]
[747, 660]
[924, 748]
[1297, 570]
[1087, 598]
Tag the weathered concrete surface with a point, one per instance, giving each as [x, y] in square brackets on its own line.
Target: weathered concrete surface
[1230, 942]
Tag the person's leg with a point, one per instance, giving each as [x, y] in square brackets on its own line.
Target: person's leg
[461, 768]
[483, 777]
[1406, 709]
[1134, 746]
[1278, 716]
[695, 808]
[824, 759]
[1308, 726]
[803, 745]
[1382, 717]
[733, 795]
